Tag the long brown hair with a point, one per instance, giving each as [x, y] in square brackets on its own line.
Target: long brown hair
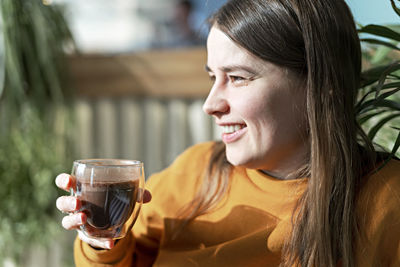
[316, 39]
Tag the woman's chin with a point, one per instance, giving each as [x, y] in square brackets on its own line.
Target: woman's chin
[237, 159]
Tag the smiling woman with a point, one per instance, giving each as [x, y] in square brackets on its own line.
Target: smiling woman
[295, 181]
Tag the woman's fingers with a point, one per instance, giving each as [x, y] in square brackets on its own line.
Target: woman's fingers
[143, 195]
[106, 244]
[146, 196]
[73, 221]
[68, 204]
[65, 181]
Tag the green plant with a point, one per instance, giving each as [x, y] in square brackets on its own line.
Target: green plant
[378, 107]
[34, 122]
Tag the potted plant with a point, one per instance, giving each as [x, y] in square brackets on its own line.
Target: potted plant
[34, 122]
[378, 107]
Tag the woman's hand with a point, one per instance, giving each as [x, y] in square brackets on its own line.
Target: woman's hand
[70, 204]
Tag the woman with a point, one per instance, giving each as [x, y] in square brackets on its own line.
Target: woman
[294, 182]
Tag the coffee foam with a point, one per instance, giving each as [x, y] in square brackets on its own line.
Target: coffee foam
[98, 172]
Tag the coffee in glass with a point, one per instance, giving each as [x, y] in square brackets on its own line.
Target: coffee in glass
[111, 192]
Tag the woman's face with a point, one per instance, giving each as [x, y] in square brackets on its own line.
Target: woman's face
[260, 107]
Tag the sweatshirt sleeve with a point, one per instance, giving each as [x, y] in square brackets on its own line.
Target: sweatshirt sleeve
[86, 256]
[171, 189]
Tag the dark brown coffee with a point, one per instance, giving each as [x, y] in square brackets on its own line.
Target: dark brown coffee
[107, 206]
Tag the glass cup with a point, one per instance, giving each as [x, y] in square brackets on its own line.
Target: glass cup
[111, 194]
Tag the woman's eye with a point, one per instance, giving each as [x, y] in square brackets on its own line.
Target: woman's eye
[212, 78]
[237, 79]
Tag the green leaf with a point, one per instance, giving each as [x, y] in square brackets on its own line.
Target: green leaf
[396, 144]
[392, 68]
[367, 117]
[395, 8]
[372, 75]
[387, 94]
[394, 76]
[381, 31]
[378, 103]
[379, 42]
[374, 130]
[390, 85]
[394, 105]
[360, 103]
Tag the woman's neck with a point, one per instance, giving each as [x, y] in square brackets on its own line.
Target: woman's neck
[292, 167]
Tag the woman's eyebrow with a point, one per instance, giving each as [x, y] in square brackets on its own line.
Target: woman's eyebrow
[231, 68]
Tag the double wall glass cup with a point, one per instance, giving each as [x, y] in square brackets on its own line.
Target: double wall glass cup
[111, 194]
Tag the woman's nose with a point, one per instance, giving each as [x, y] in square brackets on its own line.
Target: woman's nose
[216, 103]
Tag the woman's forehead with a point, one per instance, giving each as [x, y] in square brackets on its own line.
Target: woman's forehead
[221, 49]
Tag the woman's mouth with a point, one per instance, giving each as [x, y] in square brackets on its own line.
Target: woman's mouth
[231, 133]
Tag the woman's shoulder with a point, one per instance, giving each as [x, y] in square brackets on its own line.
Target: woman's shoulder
[195, 155]
[386, 177]
[187, 168]
[378, 212]
[380, 195]
[384, 183]
[177, 184]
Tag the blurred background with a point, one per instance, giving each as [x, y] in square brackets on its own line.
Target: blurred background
[117, 79]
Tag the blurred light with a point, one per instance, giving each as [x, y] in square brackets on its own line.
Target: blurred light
[47, 2]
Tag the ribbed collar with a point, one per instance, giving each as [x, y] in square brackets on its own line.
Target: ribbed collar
[270, 184]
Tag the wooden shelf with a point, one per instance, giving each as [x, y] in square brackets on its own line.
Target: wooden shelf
[157, 73]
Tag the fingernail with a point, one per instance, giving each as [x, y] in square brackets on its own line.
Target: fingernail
[62, 180]
[81, 218]
[110, 244]
[58, 180]
[65, 180]
[77, 204]
[58, 203]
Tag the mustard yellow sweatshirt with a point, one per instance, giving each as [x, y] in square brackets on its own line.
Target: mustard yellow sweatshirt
[249, 227]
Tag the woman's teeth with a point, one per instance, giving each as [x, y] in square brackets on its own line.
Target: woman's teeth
[231, 128]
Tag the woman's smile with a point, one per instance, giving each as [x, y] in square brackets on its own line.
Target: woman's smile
[233, 132]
